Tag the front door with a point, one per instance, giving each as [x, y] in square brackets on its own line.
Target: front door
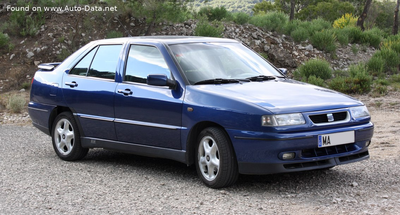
[144, 114]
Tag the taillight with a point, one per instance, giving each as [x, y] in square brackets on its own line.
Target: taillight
[32, 80]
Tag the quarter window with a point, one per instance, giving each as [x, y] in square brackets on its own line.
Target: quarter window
[143, 61]
[82, 67]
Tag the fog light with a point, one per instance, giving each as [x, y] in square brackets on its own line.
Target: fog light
[288, 156]
[368, 143]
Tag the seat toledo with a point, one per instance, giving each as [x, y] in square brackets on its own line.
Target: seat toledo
[210, 102]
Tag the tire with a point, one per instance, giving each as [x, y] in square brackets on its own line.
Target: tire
[66, 138]
[216, 162]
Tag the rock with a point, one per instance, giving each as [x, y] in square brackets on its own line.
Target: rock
[12, 56]
[266, 48]
[30, 55]
[22, 90]
[254, 35]
[36, 62]
[354, 184]
[309, 47]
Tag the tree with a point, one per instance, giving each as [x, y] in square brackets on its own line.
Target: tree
[263, 7]
[328, 10]
[363, 16]
[396, 19]
[158, 10]
[292, 5]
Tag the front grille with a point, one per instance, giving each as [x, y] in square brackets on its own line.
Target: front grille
[317, 152]
[353, 157]
[323, 118]
[306, 164]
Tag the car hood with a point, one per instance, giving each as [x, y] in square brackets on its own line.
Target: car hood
[282, 96]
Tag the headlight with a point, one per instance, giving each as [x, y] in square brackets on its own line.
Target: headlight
[283, 119]
[359, 112]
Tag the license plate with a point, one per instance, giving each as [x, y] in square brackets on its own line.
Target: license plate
[335, 139]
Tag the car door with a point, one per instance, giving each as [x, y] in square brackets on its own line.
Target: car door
[89, 88]
[145, 114]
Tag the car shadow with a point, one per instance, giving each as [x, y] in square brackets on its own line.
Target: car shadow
[297, 182]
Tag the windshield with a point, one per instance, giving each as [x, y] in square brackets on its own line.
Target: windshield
[208, 61]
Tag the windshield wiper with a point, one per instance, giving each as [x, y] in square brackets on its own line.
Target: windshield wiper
[219, 81]
[261, 78]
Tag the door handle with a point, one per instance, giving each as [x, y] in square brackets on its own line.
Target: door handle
[71, 84]
[126, 92]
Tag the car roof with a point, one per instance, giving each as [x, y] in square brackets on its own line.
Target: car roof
[166, 39]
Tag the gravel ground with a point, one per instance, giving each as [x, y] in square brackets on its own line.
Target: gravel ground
[34, 181]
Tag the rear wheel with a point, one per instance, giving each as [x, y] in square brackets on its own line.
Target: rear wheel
[66, 138]
[216, 162]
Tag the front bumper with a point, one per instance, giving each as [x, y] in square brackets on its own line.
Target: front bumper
[261, 153]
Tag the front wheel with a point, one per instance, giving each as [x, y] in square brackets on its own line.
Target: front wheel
[216, 162]
[66, 138]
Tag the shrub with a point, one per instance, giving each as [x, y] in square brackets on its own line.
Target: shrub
[380, 90]
[16, 103]
[316, 81]
[4, 42]
[114, 34]
[375, 65]
[354, 34]
[324, 40]
[342, 39]
[241, 18]
[346, 20]
[391, 58]
[291, 26]
[216, 13]
[24, 24]
[359, 81]
[204, 28]
[273, 21]
[370, 38]
[383, 82]
[395, 78]
[300, 34]
[315, 67]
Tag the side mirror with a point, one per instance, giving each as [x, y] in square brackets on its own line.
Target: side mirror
[161, 80]
[283, 71]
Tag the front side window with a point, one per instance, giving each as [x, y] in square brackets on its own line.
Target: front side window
[143, 61]
[105, 62]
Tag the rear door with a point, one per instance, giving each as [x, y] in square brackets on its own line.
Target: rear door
[145, 114]
[89, 89]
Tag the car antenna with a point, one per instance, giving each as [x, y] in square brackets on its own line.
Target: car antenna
[126, 31]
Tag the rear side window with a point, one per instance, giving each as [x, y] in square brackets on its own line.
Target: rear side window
[82, 67]
[144, 61]
[105, 62]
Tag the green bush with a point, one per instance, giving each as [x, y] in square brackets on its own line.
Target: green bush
[381, 81]
[291, 26]
[316, 81]
[273, 21]
[342, 39]
[353, 33]
[315, 67]
[376, 65]
[395, 78]
[114, 34]
[317, 25]
[16, 103]
[324, 40]
[391, 58]
[213, 13]
[299, 34]
[24, 24]
[358, 82]
[380, 90]
[207, 29]
[241, 18]
[4, 42]
[370, 38]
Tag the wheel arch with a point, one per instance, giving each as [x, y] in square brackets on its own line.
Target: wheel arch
[56, 111]
[192, 138]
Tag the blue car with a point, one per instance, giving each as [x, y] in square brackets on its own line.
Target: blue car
[211, 102]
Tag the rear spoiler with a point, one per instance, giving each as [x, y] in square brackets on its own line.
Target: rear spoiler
[48, 66]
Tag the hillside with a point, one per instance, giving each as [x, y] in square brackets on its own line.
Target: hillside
[231, 5]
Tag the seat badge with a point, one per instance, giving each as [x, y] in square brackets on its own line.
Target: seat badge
[330, 117]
